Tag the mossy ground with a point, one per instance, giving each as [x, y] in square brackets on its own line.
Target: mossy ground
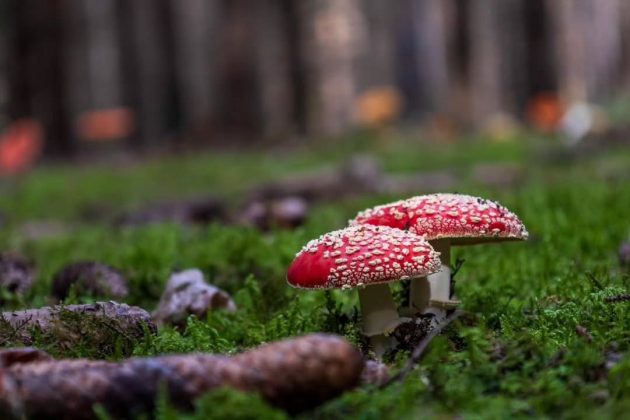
[517, 352]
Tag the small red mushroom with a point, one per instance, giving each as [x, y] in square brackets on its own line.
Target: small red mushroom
[368, 257]
[445, 220]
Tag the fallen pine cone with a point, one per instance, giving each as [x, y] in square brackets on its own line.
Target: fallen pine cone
[295, 374]
[301, 373]
[89, 278]
[187, 294]
[102, 327]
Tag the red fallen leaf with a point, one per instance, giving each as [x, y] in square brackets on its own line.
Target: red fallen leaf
[544, 111]
[105, 125]
[20, 146]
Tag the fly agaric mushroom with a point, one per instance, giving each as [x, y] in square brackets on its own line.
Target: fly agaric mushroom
[367, 257]
[445, 220]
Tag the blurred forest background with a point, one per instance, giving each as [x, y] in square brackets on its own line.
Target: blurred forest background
[168, 74]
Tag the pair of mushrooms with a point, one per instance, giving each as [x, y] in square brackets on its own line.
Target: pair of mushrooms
[407, 239]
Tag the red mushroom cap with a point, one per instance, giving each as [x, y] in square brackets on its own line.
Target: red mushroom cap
[360, 256]
[463, 218]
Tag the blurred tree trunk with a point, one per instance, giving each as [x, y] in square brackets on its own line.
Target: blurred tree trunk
[77, 69]
[569, 21]
[606, 48]
[92, 58]
[148, 70]
[36, 70]
[497, 54]
[485, 66]
[624, 13]
[376, 60]
[239, 116]
[5, 60]
[539, 55]
[513, 55]
[458, 59]
[103, 55]
[294, 23]
[333, 37]
[587, 39]
[273, 64]
[195, 28]
[430, 32]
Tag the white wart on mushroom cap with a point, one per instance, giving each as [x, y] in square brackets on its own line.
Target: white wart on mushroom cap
[361, 256]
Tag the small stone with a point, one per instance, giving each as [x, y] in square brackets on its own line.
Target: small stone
[200, 211]
[285, 213]
[612, 359]
[186, 294]
[374, 373]
[89, 278]
[35, 230]
[16, 273]
[584, 333]
[600, 396]
[104, 328]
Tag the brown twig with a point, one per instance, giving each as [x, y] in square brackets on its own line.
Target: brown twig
[594, 280]
[420, 351]
[459, 263]
[618, 298]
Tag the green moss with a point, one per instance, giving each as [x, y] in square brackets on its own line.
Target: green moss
[517, 355]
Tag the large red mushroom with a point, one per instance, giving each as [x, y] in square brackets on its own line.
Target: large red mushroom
[445, 220]
[368, 258]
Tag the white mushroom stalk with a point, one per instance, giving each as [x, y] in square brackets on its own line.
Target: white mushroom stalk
[432, 294]
[380, 316]
[367, 257]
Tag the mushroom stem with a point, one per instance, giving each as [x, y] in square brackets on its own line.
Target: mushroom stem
[380, 316]
[432, 294]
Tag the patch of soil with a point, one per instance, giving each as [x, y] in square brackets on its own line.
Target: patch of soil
[409, 334]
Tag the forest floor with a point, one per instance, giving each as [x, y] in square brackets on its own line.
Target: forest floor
[538, 337]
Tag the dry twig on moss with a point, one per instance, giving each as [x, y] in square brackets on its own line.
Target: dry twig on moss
[187, 293]
[618, 298]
